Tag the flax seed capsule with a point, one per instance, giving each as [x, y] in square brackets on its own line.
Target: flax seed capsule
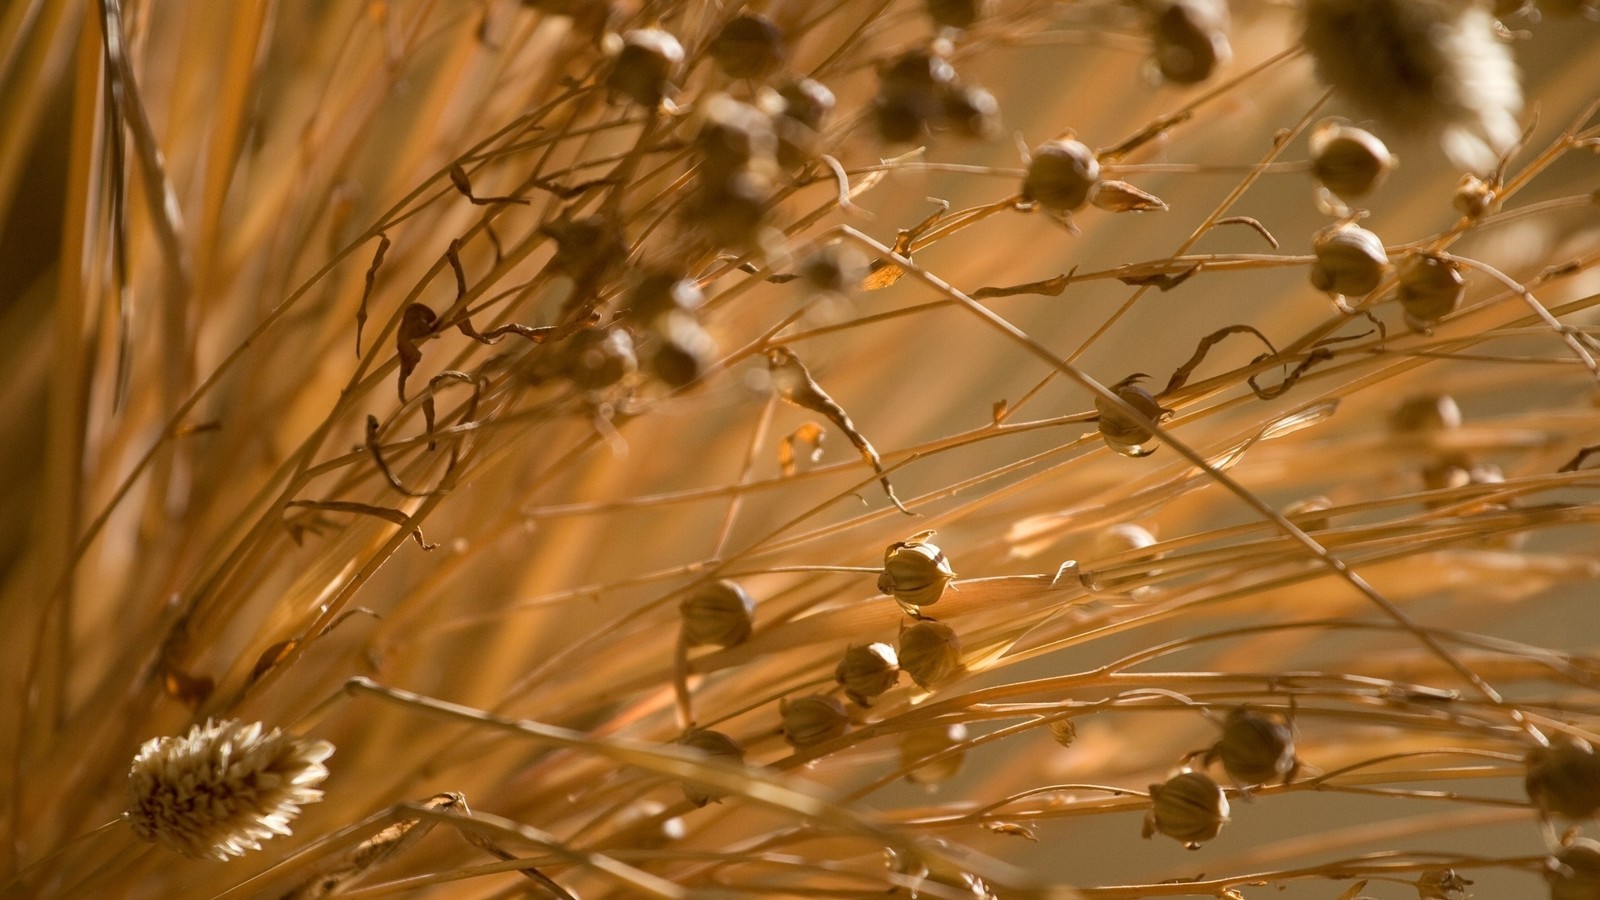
[720, 613]
[646, 66]
[1255, 749]
[1060, 175]
[1564, 778]
[929, 652]
[715, 745]
[1430, 287]
[1351, 162]
[923, 743]
[812, 720]
[1350, 260]
[866, 671]
[916, 573]
[1121, 431]
[749, 46]
[1189, 807]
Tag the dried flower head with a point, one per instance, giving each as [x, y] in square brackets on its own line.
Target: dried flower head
[1430, 65]
[1189, 807]
[223, 788]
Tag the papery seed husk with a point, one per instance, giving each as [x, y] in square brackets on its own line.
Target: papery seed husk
[1060, 175]
[1189, 807]
[867, 671]
[1120, 196]
[925, 742]
[812, 720]
[720, 613]
[1350, 260]
[930, 652]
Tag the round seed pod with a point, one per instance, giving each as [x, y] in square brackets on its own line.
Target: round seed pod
[646, 66]
[925, 742]
[720, 613]
[683, 350]
[1189, 807]
[1351, 162]
[1121, 432]
[1060, 175]
[1191, 39]
[807, 101]
[1256, 749]
[733, 136]
[749, 46]
[1063, 732]
[812, 720]
[1564, 778]
[661, 292]
[834, 268]
[599, 358]
[713, 744]
[730, 212]
[905, 116]
[929, 652]
[916, 573]
[1430, 288]
[910, 99]
[972, 112]
[1350, 260]
[866, 671]
[1432, 412]
[587, 248]
[1574, 872]
[955, 13]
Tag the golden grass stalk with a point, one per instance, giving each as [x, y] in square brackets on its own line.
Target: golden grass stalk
[400, 375]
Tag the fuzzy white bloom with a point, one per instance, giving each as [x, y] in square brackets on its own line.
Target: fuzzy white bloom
[223, 788]
[1435, 66]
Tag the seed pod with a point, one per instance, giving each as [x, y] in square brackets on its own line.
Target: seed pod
[866, 671]
[903, 117]
[929, 652]
[1430, 288]
[1441, 884]
[749, 46]
[599, 358]
[1060, 175]
[661, 292]
[1350, 260]
[834, 268]
[972, 112]
[715, 745]
[955, 13]
[719, 613]
[1574, 872]
[1121, 432]
[1564, 778]
[915, 572]
[733, 137]
[1120, 196]
[1351, 162]
[1063, 732]
[1429, 413]
[1191, 38]
[1256, 749]
[812, 720]
[807, 101]
[1475, 198]
[925, 742]
[731, 212]
[587, 249]
[646, 66]
[1189, 807]
[683, 351]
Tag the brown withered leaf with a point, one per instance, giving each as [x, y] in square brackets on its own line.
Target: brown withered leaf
[383, 466]
[416, 325]
[1180, 377]
[1160, 280]
[365, 509]
[794, 384]
[1050, 287]
[271, 656]
[810, 434]
[366, 293]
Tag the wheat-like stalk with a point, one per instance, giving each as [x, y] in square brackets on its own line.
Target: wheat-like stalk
[799, 449]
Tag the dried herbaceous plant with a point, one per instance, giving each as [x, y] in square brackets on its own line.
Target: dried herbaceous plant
[937, 449]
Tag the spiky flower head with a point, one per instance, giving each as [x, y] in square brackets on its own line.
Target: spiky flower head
[223, 788]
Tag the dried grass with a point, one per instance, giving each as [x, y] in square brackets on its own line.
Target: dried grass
[219, 227]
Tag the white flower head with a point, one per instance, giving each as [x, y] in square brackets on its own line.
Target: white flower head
[1435, 66]
[223, 788]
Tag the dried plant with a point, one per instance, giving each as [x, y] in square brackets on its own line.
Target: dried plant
[484, 389]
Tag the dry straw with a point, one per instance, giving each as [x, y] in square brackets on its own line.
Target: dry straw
[549, 404]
